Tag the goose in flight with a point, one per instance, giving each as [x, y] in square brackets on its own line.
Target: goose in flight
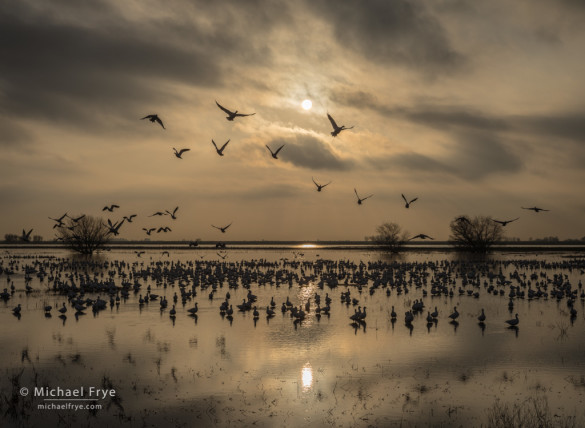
[320, 186]
[275, 154]
[149, 231]
[505, 222]
[231, 115]
[360, 200]
[114, 227]
[173, 214]
[223, 256]
[154, 118]
[129, 219]
[26, 235]
[407, 201]
[179, 153]
[157, 213]
[535, 209]
[223, 229]
[164, 229]
[336, 129]
[220, 151]
[59, 221]
[110, 208]
[76, 219]
[421, 236]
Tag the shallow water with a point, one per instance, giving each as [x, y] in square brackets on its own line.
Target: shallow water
[208, 371]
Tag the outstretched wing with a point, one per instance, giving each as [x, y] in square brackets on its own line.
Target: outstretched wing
[183, 151]
[279, 149]
[223, 147]
[404, 197]
[332, 121]
[147, 117]
[225, 228]
[356, 193]
[242, 114]
[269, 149]
[223, 108]
[415, 199]
[214, 145]
[159, 122]
[367, 197]
[218, 228]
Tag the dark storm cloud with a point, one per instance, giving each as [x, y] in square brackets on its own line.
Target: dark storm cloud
[309, 152]
[12, 133]
[397, 31]
[57, 65]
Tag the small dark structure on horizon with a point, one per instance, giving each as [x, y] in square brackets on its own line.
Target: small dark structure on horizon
[477, 234]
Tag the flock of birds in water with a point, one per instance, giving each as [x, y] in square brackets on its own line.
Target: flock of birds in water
[114, 227]
[136, 283]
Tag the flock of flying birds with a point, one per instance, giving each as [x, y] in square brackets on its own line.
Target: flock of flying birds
[113, 228]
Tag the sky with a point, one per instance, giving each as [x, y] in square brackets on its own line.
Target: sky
[476, 108]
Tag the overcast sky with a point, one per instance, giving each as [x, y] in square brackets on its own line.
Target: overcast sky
[475, 108]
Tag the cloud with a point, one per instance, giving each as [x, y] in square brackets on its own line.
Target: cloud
[309, 152]
[397, 31]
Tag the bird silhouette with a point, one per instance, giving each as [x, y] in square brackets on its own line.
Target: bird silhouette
[129, 218]
[514, 321]
[164, 229]
[157, 214]
[407, 201]
[173, 214]
[59, 221]
[149, 231]
[110, 208]
[336, 129]
[535, 209]
[231, 115]
[220, 151]
[223, 229]
[76, 219]
[505, 222]
[275, 154]
[154, 118]
[320, 186]
[179, 154]
[114, 227]
[360, 200]
[26, 235]
[421, 236]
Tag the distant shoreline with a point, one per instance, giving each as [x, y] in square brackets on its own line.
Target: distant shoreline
[304, 246]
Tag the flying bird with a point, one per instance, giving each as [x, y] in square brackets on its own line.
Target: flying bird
[114, 227]
[223, 229]
[360, 200]
[154, 118]
[149, 231]
[407, 201]
[172, 214]
[421, 236]
[58, 220]
[320, 186]
[76, 219]
[220, 151]
[129, 219]
[164, 229]
[157, 213]
[231, 115]
[110, 208]
[26, 235]
[535, 209]
[505, 222]
[336, 129]
[275, 154]
[178, 154]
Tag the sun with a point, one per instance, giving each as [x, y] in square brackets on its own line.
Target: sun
[307, 104]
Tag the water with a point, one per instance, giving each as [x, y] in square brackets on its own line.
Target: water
[208, 371]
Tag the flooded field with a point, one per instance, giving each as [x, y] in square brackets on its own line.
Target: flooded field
[308, 364]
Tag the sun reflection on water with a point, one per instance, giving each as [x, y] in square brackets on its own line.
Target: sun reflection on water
[307, 377]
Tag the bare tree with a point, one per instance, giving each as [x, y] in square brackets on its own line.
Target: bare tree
[85, 235]
[477, 234]
[390, 237]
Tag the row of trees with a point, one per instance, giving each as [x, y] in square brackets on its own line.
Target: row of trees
[11, 238]
[477, 234]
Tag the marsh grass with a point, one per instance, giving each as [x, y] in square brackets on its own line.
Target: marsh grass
[532, 412]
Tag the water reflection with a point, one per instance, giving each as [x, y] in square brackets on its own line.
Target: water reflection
[307, 377]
